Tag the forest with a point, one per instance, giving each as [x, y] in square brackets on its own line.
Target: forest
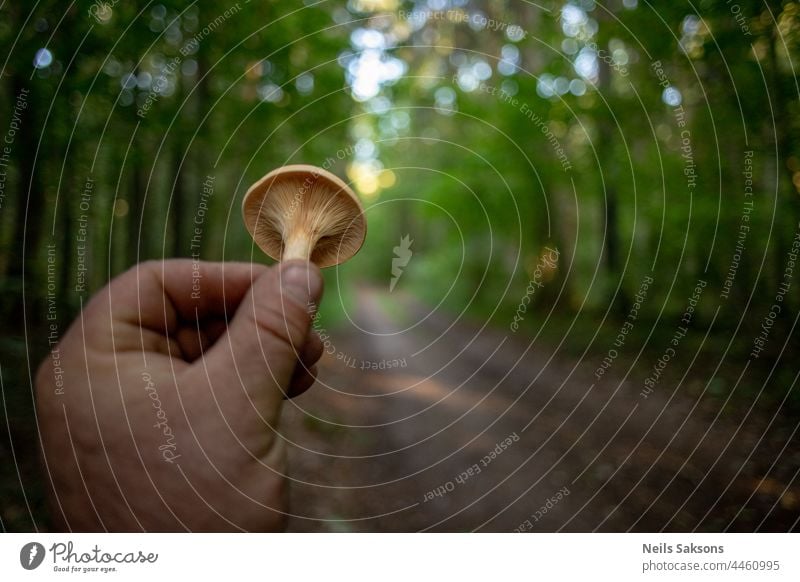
[607, 188]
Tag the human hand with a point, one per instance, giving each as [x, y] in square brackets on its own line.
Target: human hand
[167, 416]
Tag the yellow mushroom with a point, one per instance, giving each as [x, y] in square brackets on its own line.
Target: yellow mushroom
[304, 212]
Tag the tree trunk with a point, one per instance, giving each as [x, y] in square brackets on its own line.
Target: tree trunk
[785, 192]
[609, 204]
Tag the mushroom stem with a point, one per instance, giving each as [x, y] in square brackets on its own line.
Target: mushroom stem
[298, 246]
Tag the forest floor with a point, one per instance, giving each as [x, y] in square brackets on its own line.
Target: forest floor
[415, 447]
[479, 428]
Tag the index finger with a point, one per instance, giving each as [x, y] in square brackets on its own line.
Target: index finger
[158, 294]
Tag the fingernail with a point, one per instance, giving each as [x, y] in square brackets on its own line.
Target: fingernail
[302, 282]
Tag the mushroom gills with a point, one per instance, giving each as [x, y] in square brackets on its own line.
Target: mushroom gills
[306, 220]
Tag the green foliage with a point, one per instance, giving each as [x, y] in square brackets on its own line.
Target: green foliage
[552, 151]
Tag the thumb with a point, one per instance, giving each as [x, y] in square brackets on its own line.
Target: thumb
[257, 355]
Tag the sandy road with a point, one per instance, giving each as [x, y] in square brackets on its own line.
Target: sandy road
[468, 429]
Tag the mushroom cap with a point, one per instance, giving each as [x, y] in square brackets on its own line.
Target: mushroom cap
[303, 200]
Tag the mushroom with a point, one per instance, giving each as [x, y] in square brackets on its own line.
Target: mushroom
[304, 212]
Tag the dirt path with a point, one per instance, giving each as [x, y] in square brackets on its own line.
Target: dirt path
[463, 429]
